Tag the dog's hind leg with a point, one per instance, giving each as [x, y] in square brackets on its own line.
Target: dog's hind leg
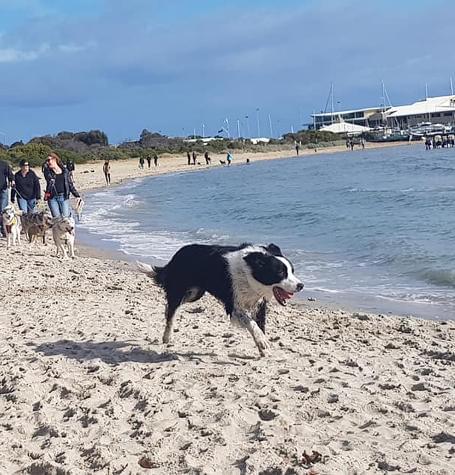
[261, 315]
[258, 335]
[171, 307]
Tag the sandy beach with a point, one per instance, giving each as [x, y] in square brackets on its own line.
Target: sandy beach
[87, 387]
[89, 176]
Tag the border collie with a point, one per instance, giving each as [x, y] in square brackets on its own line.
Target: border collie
[243, 278]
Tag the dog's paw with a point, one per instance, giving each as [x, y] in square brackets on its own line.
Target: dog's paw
[261, 343]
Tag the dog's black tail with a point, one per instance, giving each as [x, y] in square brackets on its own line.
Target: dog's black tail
[158, 274]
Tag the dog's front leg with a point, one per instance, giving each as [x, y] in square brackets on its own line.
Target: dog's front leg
[257, 334]
[261, 314]
[61, 250]
[71, 248]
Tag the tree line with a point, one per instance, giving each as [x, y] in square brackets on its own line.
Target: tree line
[94, 145]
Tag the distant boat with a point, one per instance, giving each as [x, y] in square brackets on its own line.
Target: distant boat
[428, 128]
[388, 135]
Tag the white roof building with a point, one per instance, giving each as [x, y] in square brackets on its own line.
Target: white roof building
[431, 105]
[345, 128]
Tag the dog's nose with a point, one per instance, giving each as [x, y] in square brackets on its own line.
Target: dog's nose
[299, 286]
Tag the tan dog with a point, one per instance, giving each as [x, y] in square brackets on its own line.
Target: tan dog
[63, 232]
[11, 226]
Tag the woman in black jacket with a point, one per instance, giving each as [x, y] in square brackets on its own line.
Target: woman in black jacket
[59, 186]
[27, 188]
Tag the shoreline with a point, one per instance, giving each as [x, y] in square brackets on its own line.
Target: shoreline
[128, 171]
[89, 177]
[87, 386]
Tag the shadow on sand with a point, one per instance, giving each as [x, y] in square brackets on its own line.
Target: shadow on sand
[114, 352]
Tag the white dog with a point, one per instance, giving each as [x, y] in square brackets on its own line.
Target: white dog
[63, 232]
[11, 226]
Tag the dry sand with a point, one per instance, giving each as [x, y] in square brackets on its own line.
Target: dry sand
[87, 387]
[90, 176]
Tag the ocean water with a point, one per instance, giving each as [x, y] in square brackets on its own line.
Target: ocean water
[371, 230]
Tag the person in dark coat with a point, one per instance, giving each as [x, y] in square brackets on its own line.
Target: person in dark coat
[6, 180]
[59, 186]
[27, 188]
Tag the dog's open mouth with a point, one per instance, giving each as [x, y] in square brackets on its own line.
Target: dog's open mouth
[281, 295]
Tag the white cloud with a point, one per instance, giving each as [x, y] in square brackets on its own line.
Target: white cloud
[12, 55]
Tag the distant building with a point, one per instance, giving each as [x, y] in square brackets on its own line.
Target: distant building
[437, 110]
[368, 117]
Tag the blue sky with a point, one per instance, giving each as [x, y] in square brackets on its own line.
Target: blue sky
[173, 65]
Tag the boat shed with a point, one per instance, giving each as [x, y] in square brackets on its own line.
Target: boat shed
[439, 110]
[368, 117]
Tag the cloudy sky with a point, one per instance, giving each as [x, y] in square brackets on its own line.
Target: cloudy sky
[173, 65]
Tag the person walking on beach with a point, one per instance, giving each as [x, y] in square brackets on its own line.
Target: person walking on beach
[6, 180]
[141, 162]
[207, 158]
[229, 158]
[70, 166]
[155, 159]
[188, 155]
[107, 171]
[194, 157]
[297, 148]
[59, 186]
[149, 160]
[27, 188]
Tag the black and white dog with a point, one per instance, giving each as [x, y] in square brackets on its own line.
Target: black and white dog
[243, 278]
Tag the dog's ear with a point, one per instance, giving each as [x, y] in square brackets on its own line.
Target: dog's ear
[274, 250]
[256, 260]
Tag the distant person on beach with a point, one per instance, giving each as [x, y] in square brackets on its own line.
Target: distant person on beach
[44, 167]
[155, 159]
[59, 186]
[207, 158]
[348, 144]
[70, 166]
[27, 188]
[229, 158]
[362, 143]
[107, 172]
[194, 157]
[297, 148]
[141, 162]
[149, 160]
[188, 155]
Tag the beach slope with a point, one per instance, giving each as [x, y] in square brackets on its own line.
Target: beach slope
[87, 387]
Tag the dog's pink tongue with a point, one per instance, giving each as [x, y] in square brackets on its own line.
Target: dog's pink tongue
[287, 295]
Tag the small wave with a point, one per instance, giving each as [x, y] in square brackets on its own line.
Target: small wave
[445, 277]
